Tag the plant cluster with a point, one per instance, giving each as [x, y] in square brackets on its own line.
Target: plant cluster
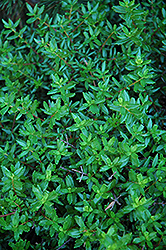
[83, 140]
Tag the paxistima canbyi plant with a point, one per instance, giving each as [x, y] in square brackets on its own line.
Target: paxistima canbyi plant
[82, 147]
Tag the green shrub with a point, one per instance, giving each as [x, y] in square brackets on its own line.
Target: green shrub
[83, 141]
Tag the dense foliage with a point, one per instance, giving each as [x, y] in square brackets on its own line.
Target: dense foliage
[83, 140]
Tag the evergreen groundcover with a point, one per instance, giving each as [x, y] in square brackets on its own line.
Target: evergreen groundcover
[83, 118]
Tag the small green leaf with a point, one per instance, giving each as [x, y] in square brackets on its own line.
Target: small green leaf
[19, 172]
[21, 143]
[69, 181]
[74, 233]
[155, 161]
[29, 8]
[37, 192]
[6, 172]
[15, 219]
[4, 110]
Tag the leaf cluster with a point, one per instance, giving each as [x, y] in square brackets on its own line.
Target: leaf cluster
[83, 140]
